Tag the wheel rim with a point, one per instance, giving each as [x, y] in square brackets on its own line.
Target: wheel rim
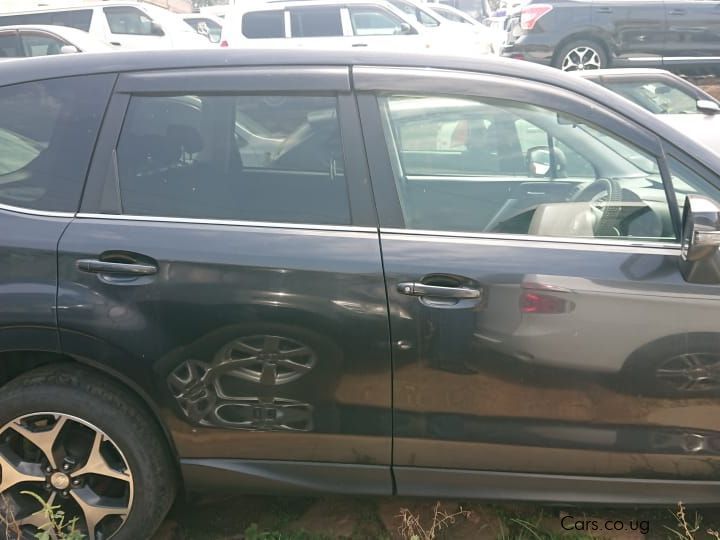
[691, 372]
[67, 462]
[581, 59]
[268, 360]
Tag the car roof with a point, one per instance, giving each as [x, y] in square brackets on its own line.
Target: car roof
[69, 6]
[39, 68]
[260, 5]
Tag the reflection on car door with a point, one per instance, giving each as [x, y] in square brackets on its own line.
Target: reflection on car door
[529, 336]
[234, 280]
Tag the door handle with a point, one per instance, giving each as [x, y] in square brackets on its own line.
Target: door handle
[604, 10]
[116, 43]
[94, 266]
[359, 45]
[436, 291]
[678, 11]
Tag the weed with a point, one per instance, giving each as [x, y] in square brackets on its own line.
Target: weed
[7, 519]
[411, 527]
[58, 527]
[687, 529]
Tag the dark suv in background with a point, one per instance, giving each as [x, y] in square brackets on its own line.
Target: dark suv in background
[301, 272]
[587, 34]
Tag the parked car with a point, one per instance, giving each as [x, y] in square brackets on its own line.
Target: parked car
[674, 99]
[205, 25]
[581, 35]
[130, 25]
[205, 254]
[38, 40]
[330, 24]
[450, 13]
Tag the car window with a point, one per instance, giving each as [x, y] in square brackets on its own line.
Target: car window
[500, 166]
[128, 20]
[687, 182]
[450, 16]
[656, 96]
[416, 13]
[370, 21]
[316, 22]
[8, 45]
[41, 44]
[76, 18]
[47, 133]
[257, 158]
[264, 24]
[206, 27]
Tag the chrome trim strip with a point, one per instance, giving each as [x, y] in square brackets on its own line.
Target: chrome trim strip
[557, 242]
[261, 224]
[32, 212]
[690, 58]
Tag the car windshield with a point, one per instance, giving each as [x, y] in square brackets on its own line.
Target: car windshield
[656, 96]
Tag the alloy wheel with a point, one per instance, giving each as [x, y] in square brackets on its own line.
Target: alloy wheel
[69, 463]
[581, 59]
[691, 372]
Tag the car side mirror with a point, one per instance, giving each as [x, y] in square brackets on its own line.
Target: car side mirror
[406, 29]
[707, 106]
[538, 161]
[699, 255]
[69, 49]
[156, 29]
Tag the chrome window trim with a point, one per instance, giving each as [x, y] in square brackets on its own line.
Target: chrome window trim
[560, 242]
[33, 212]
[228, 222]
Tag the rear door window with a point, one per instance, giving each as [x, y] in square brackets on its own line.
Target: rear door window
[264, 24]
[316, 22]
[9, 45]
[274, 158]
[47, 134]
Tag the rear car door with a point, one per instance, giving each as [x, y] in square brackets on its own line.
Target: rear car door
[227, 255]
[540, 323]
[636, 30]
[47, 132]
[693, 31]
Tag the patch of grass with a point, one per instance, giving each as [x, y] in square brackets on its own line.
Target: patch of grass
[254, 533]
[514, 526]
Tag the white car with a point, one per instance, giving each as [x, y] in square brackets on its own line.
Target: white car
[42, 40]
[455, 15]
[673, 99]
[334, 24]
[130, 25]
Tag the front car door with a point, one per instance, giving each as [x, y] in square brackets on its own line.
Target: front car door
[36, 43]
[693, 31]
[540, 324]
[226, 258]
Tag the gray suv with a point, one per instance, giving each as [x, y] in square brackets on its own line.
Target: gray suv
[301, 272]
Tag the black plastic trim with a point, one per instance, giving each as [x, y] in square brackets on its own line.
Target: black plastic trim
[458, 483]
[286, 477]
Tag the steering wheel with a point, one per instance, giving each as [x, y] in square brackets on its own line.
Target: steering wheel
[602, 194]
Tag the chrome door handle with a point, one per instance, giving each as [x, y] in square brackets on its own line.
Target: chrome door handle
[436, 291]
[94, 266]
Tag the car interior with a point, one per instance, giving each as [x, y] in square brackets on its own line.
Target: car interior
[503, 167]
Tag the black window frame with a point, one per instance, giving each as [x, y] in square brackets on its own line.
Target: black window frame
[102, 193]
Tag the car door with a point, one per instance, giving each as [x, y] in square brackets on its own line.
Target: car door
[131, 28]
[693, 31]
[234, 266]
[635, 29]
[372, 26]
[540, 324]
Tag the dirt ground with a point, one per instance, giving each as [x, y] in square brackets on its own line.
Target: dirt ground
[227, 517]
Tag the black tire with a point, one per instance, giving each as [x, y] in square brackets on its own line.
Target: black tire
[74, 390]
[598, 49]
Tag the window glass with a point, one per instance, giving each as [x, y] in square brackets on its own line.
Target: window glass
[264, 24]
[8, 45]
[688, 182]
[657, 97]
[206, 27]
[76, 18]
[370, 21]
[450, 16]
[47, 133]
[128, 20]
[416, 13]
[258, 158]
[37, 44]
[316, 22]
[499, 166]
